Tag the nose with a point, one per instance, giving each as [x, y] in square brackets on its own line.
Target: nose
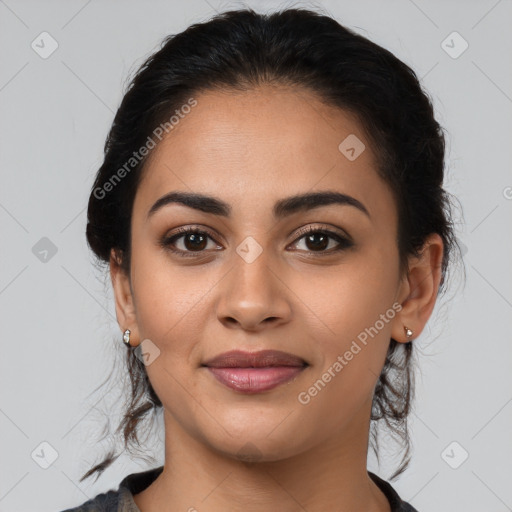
[253, 296]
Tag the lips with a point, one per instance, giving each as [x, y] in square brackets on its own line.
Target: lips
[240, 359]
[255, 372]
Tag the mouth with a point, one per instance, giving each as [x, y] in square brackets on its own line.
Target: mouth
[255, 372]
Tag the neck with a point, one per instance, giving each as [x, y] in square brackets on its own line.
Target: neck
[330, 476]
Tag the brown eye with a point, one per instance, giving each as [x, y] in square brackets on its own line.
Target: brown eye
[318, 240]
[195, 241]
[192, 240]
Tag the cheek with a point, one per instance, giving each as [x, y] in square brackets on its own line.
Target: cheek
[353, 344]
[167, 299]
[169, 302]
[355, 333]
[350, 297]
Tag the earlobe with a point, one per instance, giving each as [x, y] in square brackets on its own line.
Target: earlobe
[420, 288]
[125, 308]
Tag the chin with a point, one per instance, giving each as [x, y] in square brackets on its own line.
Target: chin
[251, 446]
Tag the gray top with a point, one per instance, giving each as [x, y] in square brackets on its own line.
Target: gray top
[122, 499]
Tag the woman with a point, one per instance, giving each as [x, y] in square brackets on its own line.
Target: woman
[272, 211]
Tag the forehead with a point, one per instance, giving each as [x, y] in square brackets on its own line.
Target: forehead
[258, 145]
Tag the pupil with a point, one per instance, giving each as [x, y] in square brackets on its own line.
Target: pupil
[195, 237]
[322, 244]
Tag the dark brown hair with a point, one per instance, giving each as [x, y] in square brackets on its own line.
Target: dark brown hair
[242, 49]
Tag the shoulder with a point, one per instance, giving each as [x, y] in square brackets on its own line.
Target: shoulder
[120, 500]
[396, 503]
[104, 502]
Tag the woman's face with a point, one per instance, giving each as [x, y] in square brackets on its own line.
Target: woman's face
[255, 280]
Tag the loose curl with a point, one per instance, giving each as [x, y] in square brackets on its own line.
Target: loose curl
[242, 49]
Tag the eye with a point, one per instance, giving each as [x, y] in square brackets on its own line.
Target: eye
[317, 240]
[194, 241]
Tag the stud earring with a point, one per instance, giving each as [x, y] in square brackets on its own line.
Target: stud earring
[408, 332]
[126, 337]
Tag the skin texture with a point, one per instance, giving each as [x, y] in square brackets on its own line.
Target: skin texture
[251, 149]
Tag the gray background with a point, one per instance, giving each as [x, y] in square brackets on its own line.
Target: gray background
[59, 334]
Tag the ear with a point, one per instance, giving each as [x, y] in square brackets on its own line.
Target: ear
[419, 288]
[125, 308]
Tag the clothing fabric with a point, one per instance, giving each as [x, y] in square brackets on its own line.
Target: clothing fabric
[122, 499]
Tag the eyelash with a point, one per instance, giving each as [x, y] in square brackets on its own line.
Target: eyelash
[166, 242]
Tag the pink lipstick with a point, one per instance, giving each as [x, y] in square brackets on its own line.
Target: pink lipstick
[254, 372]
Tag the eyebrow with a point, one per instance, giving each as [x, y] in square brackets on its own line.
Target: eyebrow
[282, 208]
